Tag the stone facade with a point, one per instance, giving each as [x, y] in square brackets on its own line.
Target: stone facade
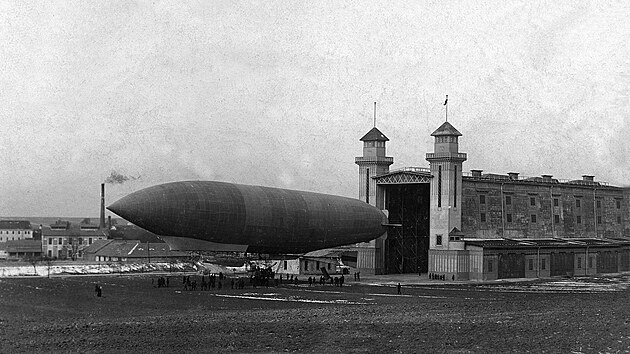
[500, 206]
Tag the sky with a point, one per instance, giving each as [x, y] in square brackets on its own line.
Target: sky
[278, 93]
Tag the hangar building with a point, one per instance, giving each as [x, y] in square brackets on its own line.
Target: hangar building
[474, 225]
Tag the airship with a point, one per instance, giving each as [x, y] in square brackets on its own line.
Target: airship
[260, 219]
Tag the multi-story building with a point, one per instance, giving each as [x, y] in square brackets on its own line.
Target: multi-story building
[67, 241]
[11, 230]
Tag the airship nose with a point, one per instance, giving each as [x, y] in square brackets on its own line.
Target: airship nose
[135, 207]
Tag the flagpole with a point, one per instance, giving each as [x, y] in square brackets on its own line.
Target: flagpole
[446, 104]
[374, 114]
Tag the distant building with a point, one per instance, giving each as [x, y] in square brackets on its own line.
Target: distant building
[312, 263]
[20, 249]
[11, 230]
[130, 251]
[63, 240]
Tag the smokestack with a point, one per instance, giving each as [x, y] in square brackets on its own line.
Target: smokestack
[102, 223]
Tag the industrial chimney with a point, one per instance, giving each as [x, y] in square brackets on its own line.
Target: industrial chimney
[102, 223]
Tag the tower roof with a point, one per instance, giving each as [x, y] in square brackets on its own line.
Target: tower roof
[374, 135]
[446, 129]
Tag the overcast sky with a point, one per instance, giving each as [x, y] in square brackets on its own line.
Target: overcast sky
[278, 93]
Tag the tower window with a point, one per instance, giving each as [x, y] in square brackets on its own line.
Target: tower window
[489, 266]
[438, 240]
[508, 200]
[578, 219]
[367, 185]
[532, 201]
[599, 204]
[482, 217]
[533, 218]
[578, 203]
[455, 187]
[556, 219]
[618, 204]
[599, 219]
[482, 199]
[555, 202]
[509, 217]
[439, 187]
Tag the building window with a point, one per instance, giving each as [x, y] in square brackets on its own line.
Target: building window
[49, 254]
[482, 199]
[305, 264]
[578, 219]
[439, 186]
[618, 204]
[317, 265]
[329, 266]
[579, 262]
[555, 202]
[50, 240]
[532, 201]
[509, 217]
[599, 219]
[438, 240]
[618, 219]
[599, 204]
[90, 240]
[543, 264]
[533, 218]
[508, 200]
[556, 219]
[590, 262]
[578, 203]
[285, 265]
[489, 266]
[482, 217]
[80, 240]
[531, 264]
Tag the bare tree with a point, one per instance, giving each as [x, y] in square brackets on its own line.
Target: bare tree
[33, 260]
[49, 263]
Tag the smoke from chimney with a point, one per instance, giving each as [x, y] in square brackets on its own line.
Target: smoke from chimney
[117, 178]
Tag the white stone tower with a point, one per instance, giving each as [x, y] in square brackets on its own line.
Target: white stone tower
[446, 187]
[372, 163]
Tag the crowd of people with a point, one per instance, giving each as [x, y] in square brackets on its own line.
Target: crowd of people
[258, 277]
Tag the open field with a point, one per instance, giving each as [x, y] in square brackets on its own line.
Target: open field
[63, 314]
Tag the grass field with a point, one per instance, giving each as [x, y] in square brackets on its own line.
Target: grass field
[62, 314]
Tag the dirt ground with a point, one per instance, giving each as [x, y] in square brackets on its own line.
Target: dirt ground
[62, 314]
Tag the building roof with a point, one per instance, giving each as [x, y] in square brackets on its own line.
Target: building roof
[131, 249]
[73, 230]
[446, 129]
[27, 245]
[543, 243]
[374, 135]
[15, 224]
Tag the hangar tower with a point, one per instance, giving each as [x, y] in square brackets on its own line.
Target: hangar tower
[446, 195]
[372, 163]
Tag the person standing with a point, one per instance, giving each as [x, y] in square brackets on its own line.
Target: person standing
[399, 289]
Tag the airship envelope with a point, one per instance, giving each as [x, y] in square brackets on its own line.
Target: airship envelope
[267, 220]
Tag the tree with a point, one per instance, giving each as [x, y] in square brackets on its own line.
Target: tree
[49, 263]
[33, 260]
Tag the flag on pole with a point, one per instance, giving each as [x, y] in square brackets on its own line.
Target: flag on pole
[446, 101]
